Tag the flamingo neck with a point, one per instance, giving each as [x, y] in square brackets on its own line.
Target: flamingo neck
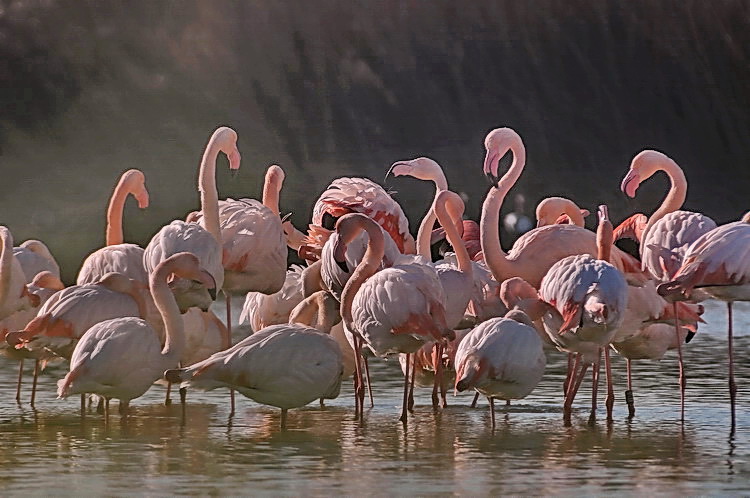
[604, 241]
[207, 188]
[448, 221]
[315, 312]
[675, 198]
[428, 222]
[574, 213]
[494, 255]
[114, 233]
[272, 187]
[170, 313]
[367, 267]
[6, 264]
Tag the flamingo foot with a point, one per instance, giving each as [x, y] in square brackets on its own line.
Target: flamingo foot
[631, 403]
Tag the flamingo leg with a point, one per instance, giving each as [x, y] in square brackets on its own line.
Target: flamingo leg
[595, 386]
[682, 380]
[183, 396]
[732, 385]
[492, 410]
[123, 407]
[357, 376]
[228, 301]
[476, 398]
[83, 405]
[168, 399]
[367, 379]
[18, 384]
[34, 382]
[436, 380]
[411, 383]
[575, 384]
[629, 393]
[283, 418]
[568, 375]
[404, 408]
[106, 410]
[609, 402]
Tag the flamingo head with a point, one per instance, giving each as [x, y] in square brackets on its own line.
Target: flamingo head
[551, 211]
[227, 141]
[469, 372]
[422, 168]
[642, 167]
[497, 143]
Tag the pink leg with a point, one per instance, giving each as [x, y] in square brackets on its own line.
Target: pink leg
[357, 376]
[411, 383]
[595, 386]
[436, 380]
[168, 399]
[404, 407]
[682, 379]
[575, 384]
[476, 398]
[732, 385]
[568, 375]
[629, 393]
[369, 384]
[34, 382]
[18, 384]
[228, 300]
[492, 410]
[609, 402]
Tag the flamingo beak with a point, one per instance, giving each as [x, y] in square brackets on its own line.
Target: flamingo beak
[491, 163]
[339, 255]
[630, 183]
[398, 168]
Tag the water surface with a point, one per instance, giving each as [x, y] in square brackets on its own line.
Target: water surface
[451, 451]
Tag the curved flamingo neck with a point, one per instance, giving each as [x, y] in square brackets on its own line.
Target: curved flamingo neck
[428, 222]
[207, 188]
[272, 188]
[367, 267]
[574, 213]
[315, 312]
[125, 187]
[494, 255]
[6, 264]
[448, 221]
[170, 312]
[675, 198]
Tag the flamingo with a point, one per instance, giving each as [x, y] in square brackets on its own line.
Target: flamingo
[554, 210]
[501, 358]
[34, 257]
[122, 357]
[538, 249]
[204, 239]
[395, 310]
[286, 366]
[262, 310]
[668, 232]
[356, 195]
[117, 256]
[717, 263]
[422, 168]
[589, 296]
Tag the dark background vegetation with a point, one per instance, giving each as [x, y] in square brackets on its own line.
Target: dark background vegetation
[332, 88]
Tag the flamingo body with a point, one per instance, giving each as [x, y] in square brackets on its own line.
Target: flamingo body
[263, 310]
[126, 259]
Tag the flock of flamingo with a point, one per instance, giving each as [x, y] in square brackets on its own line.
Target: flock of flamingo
[480, 319]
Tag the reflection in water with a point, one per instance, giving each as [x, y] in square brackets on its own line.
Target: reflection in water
[450, 451]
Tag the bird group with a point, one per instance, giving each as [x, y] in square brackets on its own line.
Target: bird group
[480, 319]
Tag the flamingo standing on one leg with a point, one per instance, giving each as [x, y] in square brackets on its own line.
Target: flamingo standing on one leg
[117, 256]
[718, 263]
[668, 232]
[121, 358]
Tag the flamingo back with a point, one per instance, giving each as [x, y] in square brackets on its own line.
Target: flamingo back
[126, 259]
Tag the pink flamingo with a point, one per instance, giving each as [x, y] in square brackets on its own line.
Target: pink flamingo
[395, 310]
[117, 256]
[263, 310]
[559, 210]
[356, 195]
[122, 357]
[204, 239]
[717, 263]
[34, 257]
[501, 358]
[538, 249]
[590, 297]
[669, 230]
[286, 366]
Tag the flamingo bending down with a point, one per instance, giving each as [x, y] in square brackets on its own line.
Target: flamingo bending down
[286, 366]
[121, 358]
[34, 257]
[395, 310]
[559, 210]
[116, 256]
[204, 239]
[718, 263]
[537, 250]
[669, 230]
[589, 296]
[262, 310]
[501, 358]
[356, 195]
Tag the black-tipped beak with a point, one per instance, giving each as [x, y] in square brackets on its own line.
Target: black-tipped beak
[462, 385]
[343, 266]
[492, 179]
[234, 173]
[212, 293]
[689, 336]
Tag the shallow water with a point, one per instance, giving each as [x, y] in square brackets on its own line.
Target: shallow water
[452, 451]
